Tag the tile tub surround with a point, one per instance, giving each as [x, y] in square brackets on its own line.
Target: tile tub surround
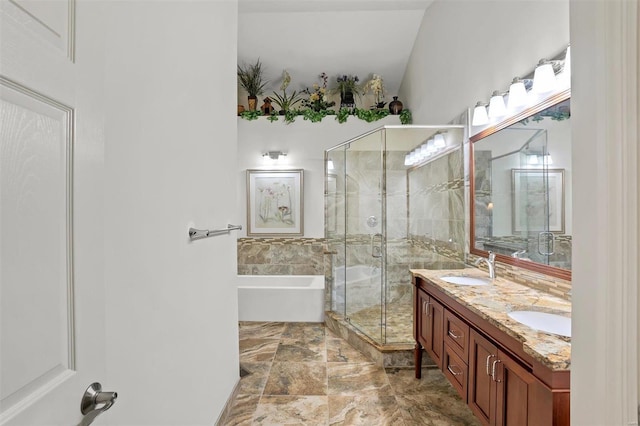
[493, 302]
[280, 256]
[302, 373]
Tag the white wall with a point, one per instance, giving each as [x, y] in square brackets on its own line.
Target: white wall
[305, 143]
[170, 162]
[604, 366]
[467, 49]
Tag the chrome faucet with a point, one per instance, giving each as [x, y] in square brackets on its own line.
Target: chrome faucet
[491, 263]
[518, 253]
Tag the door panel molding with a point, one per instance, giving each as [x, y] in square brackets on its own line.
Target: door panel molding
[51, 22]
[36, 168]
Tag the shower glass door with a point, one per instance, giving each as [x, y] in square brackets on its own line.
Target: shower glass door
[365, 230]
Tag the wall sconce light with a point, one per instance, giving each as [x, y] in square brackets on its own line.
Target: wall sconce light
[497, 108]
[330, 165]
[544, 78]
[480, 116]
[517, 94]
[274, 155]
[539, 160]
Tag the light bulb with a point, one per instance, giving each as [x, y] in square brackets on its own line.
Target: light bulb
[479, 115]
[544, 79]
[532, 160]
[438, 141]
[496, 105]
[424, 151]
[517, 94]
[547, 159]
[431, 146]
[407, 159]
[330, 165]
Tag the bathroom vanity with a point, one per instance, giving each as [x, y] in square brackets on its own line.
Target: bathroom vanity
[507, 372]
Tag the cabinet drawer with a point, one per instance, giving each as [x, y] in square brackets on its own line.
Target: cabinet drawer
[456, 370]
[456, 335]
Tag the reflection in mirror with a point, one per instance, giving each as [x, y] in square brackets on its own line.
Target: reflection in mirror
[521, 193]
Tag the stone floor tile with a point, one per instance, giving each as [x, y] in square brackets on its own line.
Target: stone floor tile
[260, 330]
[351, 410]
[436, 409]
[356, 379]
[278, 410]
[297, 378]
[300, 351]
[242, 410]
[339, 350]
[258, 350]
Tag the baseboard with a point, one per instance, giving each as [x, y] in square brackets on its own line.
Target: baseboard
[229, 405]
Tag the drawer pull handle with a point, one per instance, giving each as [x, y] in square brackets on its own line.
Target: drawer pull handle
[426, 308]
[488, 358]
[450, 368]
[493, 371]
[455, 336]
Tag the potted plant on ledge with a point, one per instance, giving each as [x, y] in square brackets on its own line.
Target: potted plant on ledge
[285, 101]
[251, 79]
[347, 88]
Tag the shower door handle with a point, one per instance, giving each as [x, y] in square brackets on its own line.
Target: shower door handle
[376, 250]
[547, 240]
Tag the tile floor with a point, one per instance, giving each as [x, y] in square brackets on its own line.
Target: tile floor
[303, 374]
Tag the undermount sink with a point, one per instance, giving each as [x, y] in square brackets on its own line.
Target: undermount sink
[461, 280]
[543, 321]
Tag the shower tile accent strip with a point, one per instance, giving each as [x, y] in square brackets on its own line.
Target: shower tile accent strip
[280, 256]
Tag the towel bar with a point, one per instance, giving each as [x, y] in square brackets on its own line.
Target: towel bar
[198, 234]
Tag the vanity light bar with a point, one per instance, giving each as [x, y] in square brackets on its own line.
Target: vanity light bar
[544, 81]
[430, 149]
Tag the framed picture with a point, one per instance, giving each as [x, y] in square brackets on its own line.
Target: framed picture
[538, 200]
[275, 202]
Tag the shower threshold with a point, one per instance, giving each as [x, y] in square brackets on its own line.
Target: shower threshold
[398, 355]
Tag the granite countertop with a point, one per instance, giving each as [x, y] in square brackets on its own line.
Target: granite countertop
[494, 301]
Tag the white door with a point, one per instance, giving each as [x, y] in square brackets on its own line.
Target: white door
[52, 311]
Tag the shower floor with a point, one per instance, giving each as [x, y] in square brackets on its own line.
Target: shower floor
[399, 322]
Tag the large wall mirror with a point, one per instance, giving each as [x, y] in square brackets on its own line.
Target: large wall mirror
[521, 189]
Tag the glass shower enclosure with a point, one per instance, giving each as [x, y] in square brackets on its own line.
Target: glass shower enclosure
[394, 200]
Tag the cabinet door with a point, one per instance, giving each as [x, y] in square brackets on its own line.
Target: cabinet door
[482, 388]
[514, 391]
[422, 319]
[435, 328]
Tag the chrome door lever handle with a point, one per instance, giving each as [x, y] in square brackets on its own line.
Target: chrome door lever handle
[95, 402]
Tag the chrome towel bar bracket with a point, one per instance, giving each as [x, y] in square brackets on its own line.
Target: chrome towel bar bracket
[198, 234]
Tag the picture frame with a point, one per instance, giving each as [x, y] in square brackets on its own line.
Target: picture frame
[529, 207]
[275, 202]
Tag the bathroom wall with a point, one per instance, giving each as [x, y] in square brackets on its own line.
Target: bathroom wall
[479, 59]
[304, 143]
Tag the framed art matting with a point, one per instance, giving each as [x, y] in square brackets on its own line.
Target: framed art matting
[275, 202]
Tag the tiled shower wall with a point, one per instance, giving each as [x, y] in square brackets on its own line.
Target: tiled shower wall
[280, 256]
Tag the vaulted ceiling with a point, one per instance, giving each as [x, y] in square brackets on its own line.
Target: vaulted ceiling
[308, 37]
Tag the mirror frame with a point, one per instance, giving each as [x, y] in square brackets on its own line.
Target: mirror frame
[553, 271]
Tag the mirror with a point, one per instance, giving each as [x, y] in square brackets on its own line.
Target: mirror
[520, 176]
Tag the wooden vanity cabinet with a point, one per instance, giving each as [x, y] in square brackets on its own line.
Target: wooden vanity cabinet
[429, 316]
[501, 384]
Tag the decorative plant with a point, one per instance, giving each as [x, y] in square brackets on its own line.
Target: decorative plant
[284, 101]
[250, 115]
[317, 100]
[348, 83]
[370, 115]
[342, 115]
[251, 78]
[375, 86]
[406, 117]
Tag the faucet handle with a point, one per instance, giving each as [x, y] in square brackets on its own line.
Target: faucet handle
[492, 256]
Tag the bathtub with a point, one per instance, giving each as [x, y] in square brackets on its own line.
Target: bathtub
[282, 298]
